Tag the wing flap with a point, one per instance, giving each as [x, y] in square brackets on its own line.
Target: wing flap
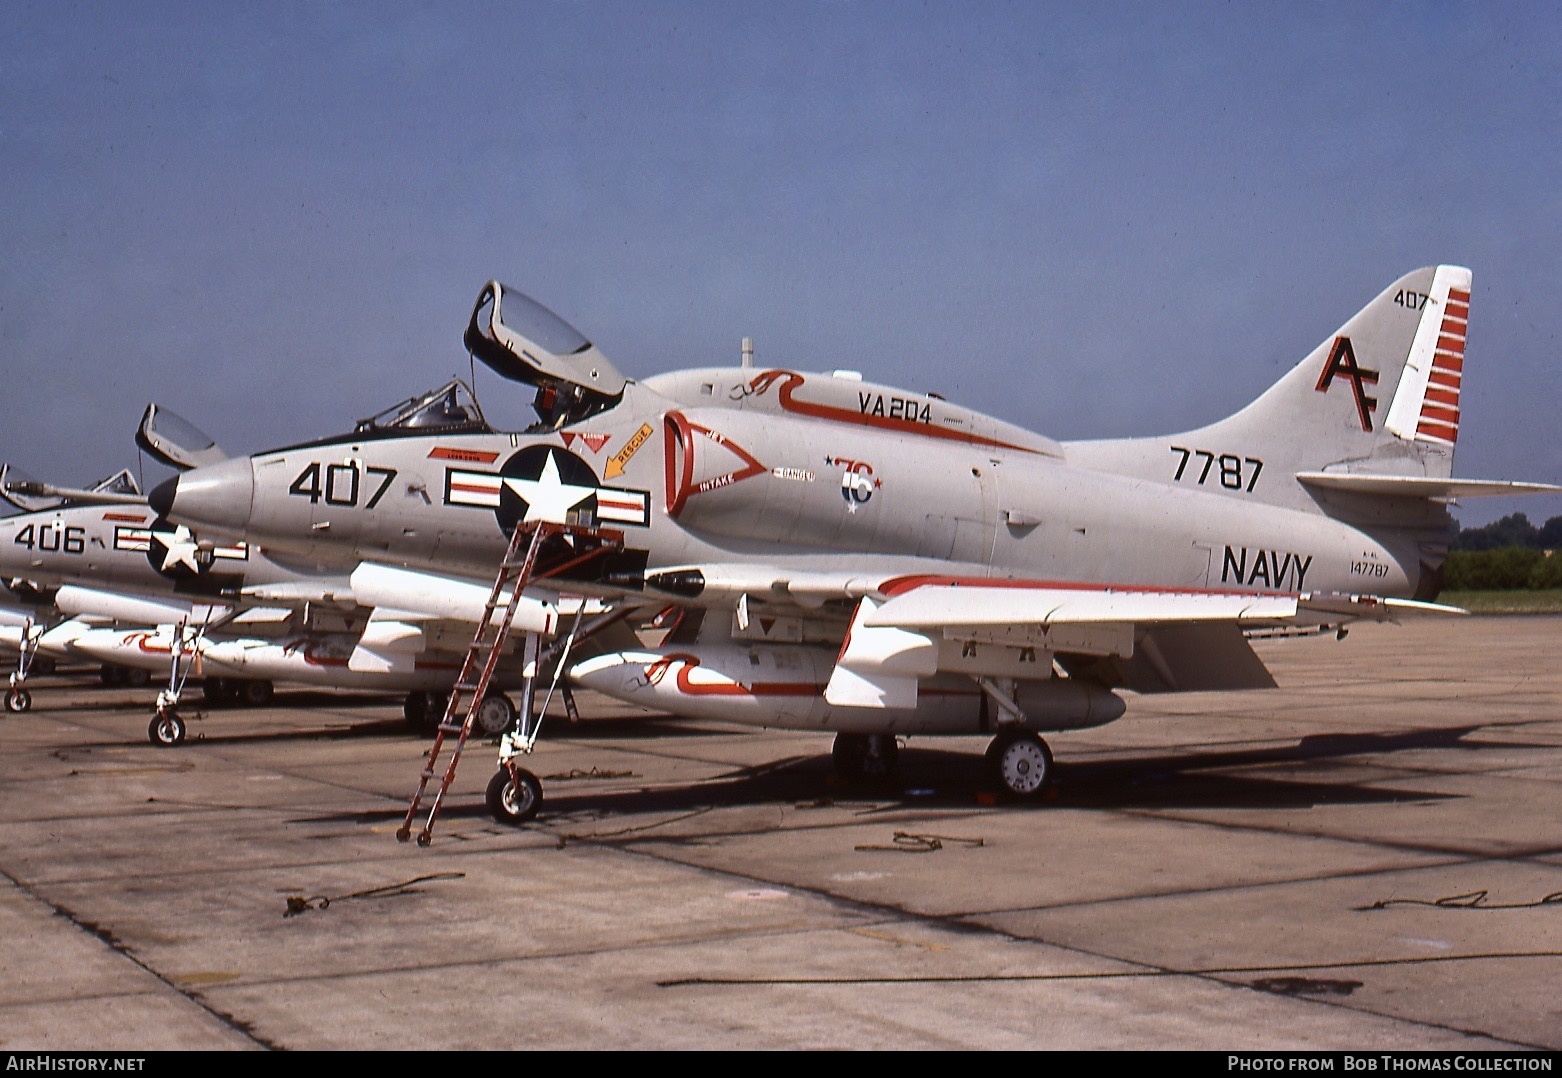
[946, 606]
[1193, 657]
[1143, 640]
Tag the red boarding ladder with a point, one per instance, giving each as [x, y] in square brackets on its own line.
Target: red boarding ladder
[516, 571]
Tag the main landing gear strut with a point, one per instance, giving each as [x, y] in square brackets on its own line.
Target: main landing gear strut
[167, 728]
[423, 711]
[1018, 759]
[1018, 762]
[17, 699]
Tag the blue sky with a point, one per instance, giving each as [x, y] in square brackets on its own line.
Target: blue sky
[1091, 219]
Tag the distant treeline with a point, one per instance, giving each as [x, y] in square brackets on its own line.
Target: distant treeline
[1508, 555]
[1514, 530]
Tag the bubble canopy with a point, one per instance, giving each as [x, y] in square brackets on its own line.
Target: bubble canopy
[523, 341]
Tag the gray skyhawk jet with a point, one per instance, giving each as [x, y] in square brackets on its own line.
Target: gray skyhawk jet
[97, 560]
[109, 580]
[878, 562]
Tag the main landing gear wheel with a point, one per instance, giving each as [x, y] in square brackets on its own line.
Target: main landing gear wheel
[1022, 764]
[256, 693]
[495, 716]
[18, 701]
[418, 710]
[166, 729]
[514, 800]
[865, 756]
[219, 691]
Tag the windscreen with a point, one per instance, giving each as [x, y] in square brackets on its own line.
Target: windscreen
[451, 407]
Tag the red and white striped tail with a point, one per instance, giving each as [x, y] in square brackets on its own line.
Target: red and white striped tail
[1426, 404]
[1440, 406]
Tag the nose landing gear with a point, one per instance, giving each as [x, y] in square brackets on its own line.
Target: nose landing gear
[166, 728]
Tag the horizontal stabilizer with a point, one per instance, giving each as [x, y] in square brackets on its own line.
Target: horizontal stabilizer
[1415, 486]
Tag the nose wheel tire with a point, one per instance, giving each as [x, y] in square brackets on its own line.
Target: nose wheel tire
[18, 701]
[514, 799]
[166, 728]
[1022, 764]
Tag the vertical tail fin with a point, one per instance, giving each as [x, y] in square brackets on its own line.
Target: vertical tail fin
[1326, 414]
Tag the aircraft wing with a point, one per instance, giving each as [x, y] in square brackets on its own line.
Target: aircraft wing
[1028, 607]
[1145, 640]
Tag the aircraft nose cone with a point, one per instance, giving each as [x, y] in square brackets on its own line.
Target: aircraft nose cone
[216, 496]
[161, 499]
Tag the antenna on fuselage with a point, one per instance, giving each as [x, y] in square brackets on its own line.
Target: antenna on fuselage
[748, 352]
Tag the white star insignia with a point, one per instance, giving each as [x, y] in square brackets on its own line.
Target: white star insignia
[181, 548]
[547, 497]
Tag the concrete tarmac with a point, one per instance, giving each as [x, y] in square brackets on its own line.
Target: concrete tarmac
[1367, 858]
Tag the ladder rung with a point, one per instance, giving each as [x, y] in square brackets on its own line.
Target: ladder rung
[516, 568]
